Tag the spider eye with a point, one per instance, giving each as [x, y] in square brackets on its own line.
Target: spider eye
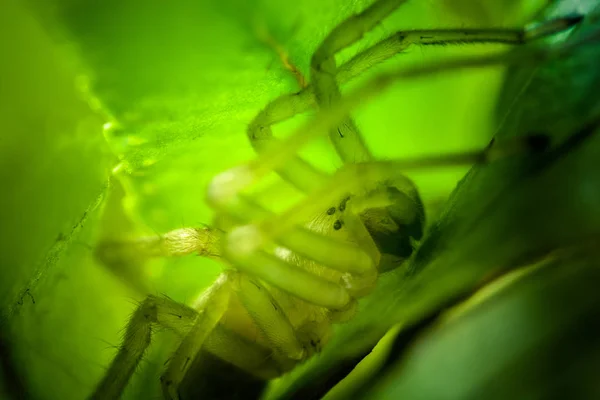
[337, 225]
[331, 211]
[342, 206]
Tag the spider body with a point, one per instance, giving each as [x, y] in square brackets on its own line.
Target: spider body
[290, 276]
[239, 349]
[237, 343]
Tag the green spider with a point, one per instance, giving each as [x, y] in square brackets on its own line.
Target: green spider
[290, 276]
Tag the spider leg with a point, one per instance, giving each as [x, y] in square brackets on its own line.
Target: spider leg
[282, 155]
[287, 341]
[306, 177]
[225, 187]
[176, 243]
[324, 70]
[126, 258]
[211, 308]
[154, 310]
[288, 277]
[346, 138]
[270, 318]
[296, 170]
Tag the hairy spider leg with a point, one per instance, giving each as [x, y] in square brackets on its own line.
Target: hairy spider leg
[324, 70]
[226, 185]
[211, 308]
[346, 137]
[153, 310]
[195, 325]
[178, 242]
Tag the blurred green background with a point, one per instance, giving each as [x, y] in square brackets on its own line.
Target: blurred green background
[116, 114]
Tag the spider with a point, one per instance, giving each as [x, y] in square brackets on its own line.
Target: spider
[290, 276]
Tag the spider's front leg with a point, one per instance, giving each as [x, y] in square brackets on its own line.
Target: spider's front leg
[119, 256]
[188, 323]
[138, 334]
[191, 324]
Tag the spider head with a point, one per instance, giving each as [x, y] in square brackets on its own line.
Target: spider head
[394, 225]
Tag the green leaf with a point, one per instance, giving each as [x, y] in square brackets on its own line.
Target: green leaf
[533, 339]
[54, 166]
